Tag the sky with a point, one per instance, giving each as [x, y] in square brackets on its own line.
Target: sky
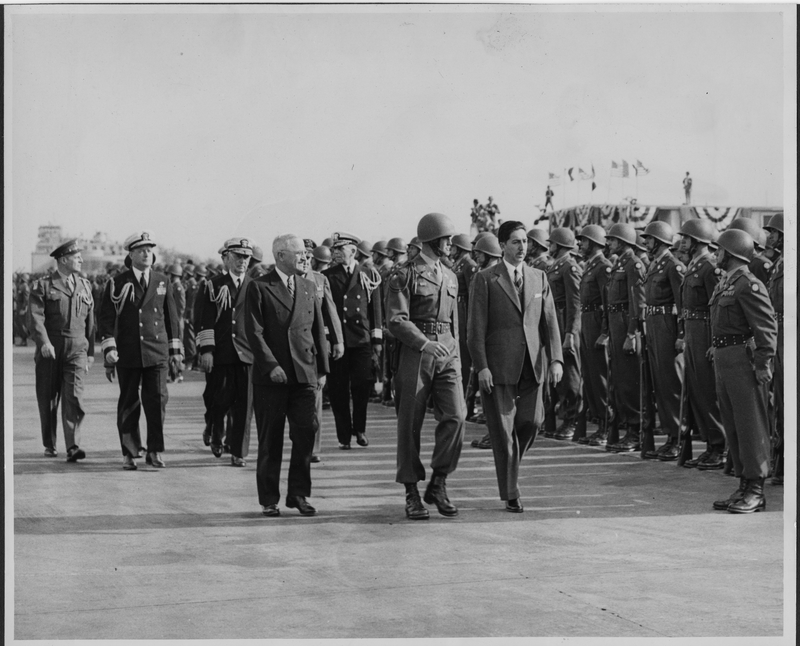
[203, 123]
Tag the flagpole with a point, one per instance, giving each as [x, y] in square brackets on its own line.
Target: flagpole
[636, 170]
[608, 195]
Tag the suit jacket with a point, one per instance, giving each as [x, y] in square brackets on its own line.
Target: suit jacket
[222, 319]
[500, 328]
[359, 308]
[285, 333]
[145, 331]
[333, 326]
[56, 311]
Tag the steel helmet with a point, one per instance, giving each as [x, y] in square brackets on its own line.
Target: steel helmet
[593, 232]
[397, 244]
[756, 232]
[701, 230]
[563, 237]
[462, 242]
[737, 243]
[365, 248]
[775, 223]
[489, 245]
[639, 244]
[188, 270]
[624, 232]
[175, 269]
[322, 253]
[328, 242]
[201, 270]
[539, 236]
[380, 247]
[258, 254]
[415, 243]
[480, 236]
[434, 226]
[661, 231]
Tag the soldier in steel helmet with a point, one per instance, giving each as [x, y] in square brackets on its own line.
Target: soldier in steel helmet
[564, 277]
[625, 304]
[760, 266]
[422, 315]
[538, 248]
[774, 228]
[663, 301]
[463, 264]
[744, 335]
[175, 273]
[61, 321]
[397, 251]
[694, 339]
[594, 326]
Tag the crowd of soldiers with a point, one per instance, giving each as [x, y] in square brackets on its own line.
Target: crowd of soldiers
[661, 330]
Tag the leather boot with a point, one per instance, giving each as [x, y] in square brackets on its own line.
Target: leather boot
[436, 494]
[629, 443]
[415, 510]
[722, 505]
[752, 499]
[566, 431]
[692, 464]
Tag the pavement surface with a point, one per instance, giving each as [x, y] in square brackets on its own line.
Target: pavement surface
[608, 546]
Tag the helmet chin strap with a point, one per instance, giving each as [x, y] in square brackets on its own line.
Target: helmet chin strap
[438, 248]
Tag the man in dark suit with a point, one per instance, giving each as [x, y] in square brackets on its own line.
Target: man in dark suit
[511, 307]
[354, 289]
[225, 354]
[286, 331]
[139, 336]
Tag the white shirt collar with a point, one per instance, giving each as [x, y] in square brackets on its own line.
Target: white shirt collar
[284, 277]
[351, 267]
[138, 275]
[511, 269]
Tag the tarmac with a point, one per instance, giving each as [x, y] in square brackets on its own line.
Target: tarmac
[609, 546]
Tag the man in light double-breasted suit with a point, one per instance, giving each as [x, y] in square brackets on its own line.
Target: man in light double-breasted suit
[514, 342]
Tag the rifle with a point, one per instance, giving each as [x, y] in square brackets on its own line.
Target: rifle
[684, 426]
[646, 440]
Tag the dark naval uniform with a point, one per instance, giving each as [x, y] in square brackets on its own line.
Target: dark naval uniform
[63, 317]
[189, 334]
[359, 309]
[230, 389]
[143, 328]
[594, 360]
[776, 296]
[700, 280]
[625, 305]
[662, 295]
[564, 276]
[744, 334]
[422, 306]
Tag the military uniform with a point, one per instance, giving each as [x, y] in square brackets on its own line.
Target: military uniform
[21, 316]
[464, 268]
[542, 262]
[594, 360]
[63, 317]
[744, 335]
[359, 309]
[699, 282]
[564, 277]
[189, 335]
[776, 296]
[230, 391]
[625, 305]
[760, 266]
[422, 306]
[143, 328]
[662, 295]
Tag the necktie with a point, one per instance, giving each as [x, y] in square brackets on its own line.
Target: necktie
[143, 282]
[71, 284]
[518, 282]
[290, 286]
[437, 271]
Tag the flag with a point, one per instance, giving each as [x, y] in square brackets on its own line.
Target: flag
[640, 169]
[569, 172]
[553, 179]
[625, 169]
[594, 186]
[584, 175]
[616, 169]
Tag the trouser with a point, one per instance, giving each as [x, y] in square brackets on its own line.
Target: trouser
[350, 379]
[665, 369]
[625, 370]
[568, 393]
[777, 393]
[418, 376]
[594, 365]
[21, 326]
[514, 414]
[743, 405]
[61, 379]
[701, 389]
[231, 393]
[318, 407]
[273, 404]
[154, 397]
[189, 343]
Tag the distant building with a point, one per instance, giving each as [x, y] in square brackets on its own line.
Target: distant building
[97, 251]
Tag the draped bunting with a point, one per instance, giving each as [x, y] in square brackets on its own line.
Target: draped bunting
[720, 216]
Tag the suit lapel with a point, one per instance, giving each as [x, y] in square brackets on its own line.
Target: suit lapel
[240, 297]
[505, 282]
[151, 289]
[276, 286]
[529, 285]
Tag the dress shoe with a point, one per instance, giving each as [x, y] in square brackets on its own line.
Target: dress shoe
[722, 505]
[141, 452]
[629, 443]
[217, 450]
[415, 510]
[344, 447]
[154, 460]
[128, 463]
[752, 499]
[236, 461]
[270, 510]
[436, 494]
[714, 461]
[50, 453]
[315, 459]
[670, 450]
[301, 504]
[206, 438]
[514, 506]
[361, 439]
[484, 443]
[692, 464]
[74, 454]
